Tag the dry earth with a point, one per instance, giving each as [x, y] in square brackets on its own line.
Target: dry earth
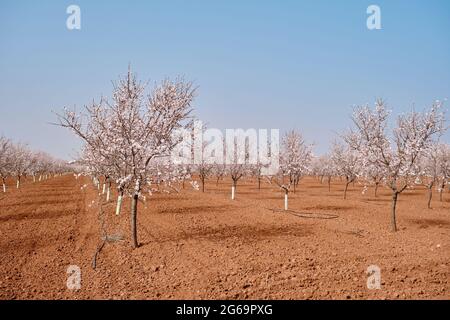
[198, 245]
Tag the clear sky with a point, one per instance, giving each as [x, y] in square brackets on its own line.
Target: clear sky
[258, 63]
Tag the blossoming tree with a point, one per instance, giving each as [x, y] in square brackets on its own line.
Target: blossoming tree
[396, 155]
[295, 161]
[5, 160]
[435, 164]
[345, 161]
[132, 131]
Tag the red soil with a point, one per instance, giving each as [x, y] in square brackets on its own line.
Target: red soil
[198, 245]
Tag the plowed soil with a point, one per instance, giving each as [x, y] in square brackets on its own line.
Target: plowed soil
[196, 245]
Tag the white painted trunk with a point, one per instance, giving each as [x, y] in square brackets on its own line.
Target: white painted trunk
[119, 204]
[4, 188]
[108, 193]
[233, 189]
[285, 201]
[104, 188]
[40, 178]
[18, 184]
[34, 179]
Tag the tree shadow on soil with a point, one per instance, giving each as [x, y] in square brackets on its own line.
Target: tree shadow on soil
[329, 208]
[244, 233]
[47, 214]
[168, 198]
[425, 223]
[197, 209]
[38, 203]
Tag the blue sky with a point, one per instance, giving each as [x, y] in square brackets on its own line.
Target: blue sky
[258, 64]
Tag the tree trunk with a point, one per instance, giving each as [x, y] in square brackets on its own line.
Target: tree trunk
[285, 200]
[346, 188]
[259, 182]
[34, 178]
[394, 205]
[18, 183]
[108, 192]
[430, 195]
[119, 203]
[203, 183]
[217, 181]
[4, 185]
[97, 183]
[233, 190]
[376, 189]
[441, 189]
[329, 184]
[134, 203]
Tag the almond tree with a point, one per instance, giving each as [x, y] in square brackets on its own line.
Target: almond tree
[260, 169]
[346, 161]
[21, 161]
[237, 163]
[95, 165]
[316, 169]
[18, 161]
[295, 161]
[201, 166]
[435, 169]
[5, 160]
[278, 179]
[32, 168]
[430, 170]
[133, 130]
[323, 166]
[236, 172]
[395, 155]
[374, 176]
[256, 171]
[218, 171]
[168, 176]
[60, 167]
[41, 163]
[204, 170]
[444, 168]
[296, 157]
